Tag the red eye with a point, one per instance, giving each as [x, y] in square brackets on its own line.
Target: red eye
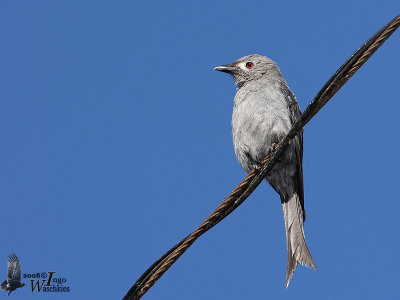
[249, 65]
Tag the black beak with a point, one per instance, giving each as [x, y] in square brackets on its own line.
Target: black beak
[226, 68]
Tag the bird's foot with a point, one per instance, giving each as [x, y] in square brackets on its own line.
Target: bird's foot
[271, 148]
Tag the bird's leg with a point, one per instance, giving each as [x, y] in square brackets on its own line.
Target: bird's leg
[252, 162]
[271, 148]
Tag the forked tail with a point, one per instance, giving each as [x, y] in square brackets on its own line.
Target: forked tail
[297, 251]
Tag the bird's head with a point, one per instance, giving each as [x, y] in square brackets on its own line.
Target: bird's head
[248, 68]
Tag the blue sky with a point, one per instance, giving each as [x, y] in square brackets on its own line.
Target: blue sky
[116, 143]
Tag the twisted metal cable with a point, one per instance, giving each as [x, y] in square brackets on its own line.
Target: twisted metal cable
[250, 183]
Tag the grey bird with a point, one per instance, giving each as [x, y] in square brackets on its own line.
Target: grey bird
[264, 111]
[13, 280]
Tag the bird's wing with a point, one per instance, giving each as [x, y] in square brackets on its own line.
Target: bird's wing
[14, 268]
[295, 114]
[300, 184]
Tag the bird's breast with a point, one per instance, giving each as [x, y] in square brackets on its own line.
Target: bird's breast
[259, 119]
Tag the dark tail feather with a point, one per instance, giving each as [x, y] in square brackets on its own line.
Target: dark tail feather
[297, 251]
